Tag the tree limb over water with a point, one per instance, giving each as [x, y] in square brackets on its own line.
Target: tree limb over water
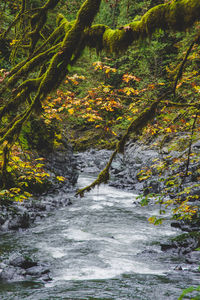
[46, 65]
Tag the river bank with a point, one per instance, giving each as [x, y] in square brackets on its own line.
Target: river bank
[123, 176]
[100, 247]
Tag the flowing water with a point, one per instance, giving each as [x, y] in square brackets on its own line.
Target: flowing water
[101, 247]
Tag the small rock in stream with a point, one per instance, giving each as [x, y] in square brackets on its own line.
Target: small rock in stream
[18, 260]
[20, 267]
[19, 221]
[178, 268]
[37, 270]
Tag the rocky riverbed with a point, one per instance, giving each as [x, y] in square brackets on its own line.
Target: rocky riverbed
[20, 216]
[60, 162]
[137, 156]
[124, 175]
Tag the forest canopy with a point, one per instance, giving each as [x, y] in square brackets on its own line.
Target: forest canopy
[41, 41]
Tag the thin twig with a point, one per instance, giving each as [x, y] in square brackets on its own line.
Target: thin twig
[180, 72]
[189, 149]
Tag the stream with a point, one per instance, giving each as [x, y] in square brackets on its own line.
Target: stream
[100, 247]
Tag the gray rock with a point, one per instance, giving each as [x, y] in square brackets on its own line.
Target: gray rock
[183, 244]
[2, 220]
[19, 221]
[8, 273]
[196, 147]
[18, 260]
[37, 271]
[193, 257]
[46, 277]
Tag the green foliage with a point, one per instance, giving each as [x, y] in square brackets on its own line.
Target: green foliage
[113, 98]
[131, 93]
[27, 173]
[189, 291]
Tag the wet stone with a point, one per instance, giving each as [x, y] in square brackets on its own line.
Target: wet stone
[193, 257]
[8, 273]
[2, 220]
[46, 277]
[19, 221]
[178, 268]
[37, 271]
[18, 260]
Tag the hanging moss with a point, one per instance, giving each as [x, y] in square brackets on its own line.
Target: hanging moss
[93, 36]
[33, 64]
[138, 123]
[117, 40]
[175, 15]
[74, 36]
[103, 177]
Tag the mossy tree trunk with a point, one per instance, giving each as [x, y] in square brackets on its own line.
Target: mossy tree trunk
[47, 62]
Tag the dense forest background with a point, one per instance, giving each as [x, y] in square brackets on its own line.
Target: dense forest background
[147, 92]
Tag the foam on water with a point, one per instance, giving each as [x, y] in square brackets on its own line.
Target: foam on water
[116, 268]
[101, 237]
[104, 236]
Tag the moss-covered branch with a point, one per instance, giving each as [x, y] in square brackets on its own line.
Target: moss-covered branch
[180, 71]
[65, 45]
[38, 57]
[38, 20]
[57, 69]
[71, 42]
[137, 124]
[176, 15]
[32, 64]
[103, 177]
[16, 127]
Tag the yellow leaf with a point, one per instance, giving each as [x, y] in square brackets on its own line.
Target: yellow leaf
[71, 111]
[15, 190]
[106, 89]
[114, 133]
[168, 129]
[60, 178]
[5, 143]
[152, 220]
[27, 194]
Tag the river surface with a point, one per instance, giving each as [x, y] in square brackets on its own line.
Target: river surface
[100, 247]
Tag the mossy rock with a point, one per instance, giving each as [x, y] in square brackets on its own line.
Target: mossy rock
[183, 243]
[181, 238]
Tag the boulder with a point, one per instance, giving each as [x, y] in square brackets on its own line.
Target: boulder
[18, 260]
